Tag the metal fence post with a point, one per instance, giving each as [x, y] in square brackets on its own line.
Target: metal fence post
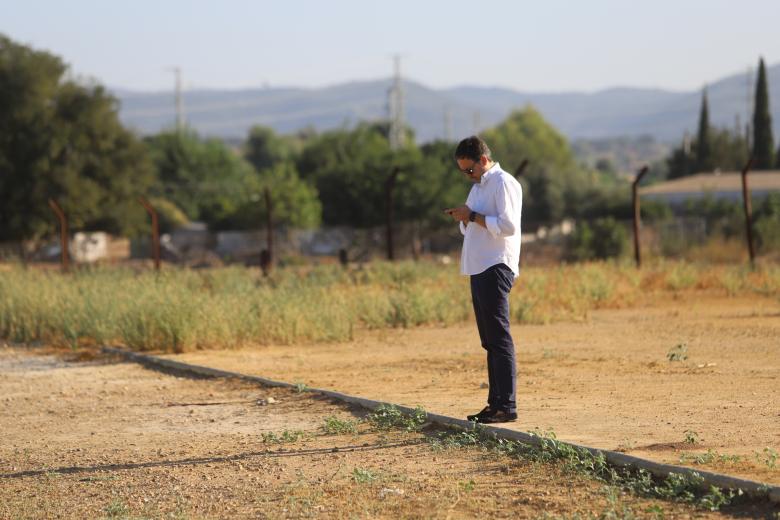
[520, 169]
[748, 212]
[389, 188]
[65, 256]
[267, 255]
[155, 231]
[637, 215]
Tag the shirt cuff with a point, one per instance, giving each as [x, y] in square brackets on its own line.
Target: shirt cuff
[462, 228]
[491, 223]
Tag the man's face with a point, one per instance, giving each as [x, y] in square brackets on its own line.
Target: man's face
[472, 169]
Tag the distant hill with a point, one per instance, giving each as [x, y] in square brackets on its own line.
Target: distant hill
[616, 112]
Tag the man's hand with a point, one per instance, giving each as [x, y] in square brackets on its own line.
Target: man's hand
[461, 213]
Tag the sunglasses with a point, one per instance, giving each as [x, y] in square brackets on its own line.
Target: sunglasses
[469, 171]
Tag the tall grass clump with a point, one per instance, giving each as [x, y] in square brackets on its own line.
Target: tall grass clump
[181, 309]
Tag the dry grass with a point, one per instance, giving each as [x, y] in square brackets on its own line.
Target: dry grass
[181, 309]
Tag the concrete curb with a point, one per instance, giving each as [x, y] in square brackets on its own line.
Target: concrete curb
[751, 488]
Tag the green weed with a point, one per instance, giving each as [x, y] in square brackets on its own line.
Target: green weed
[467, 487]
[687, 488]
[768, 457]
[710, 457]
[450, 439]
[284, 437]
[335, 426]
[363, 476]
[116, 509]
[691, 437]
[388, 417]
[678, 353]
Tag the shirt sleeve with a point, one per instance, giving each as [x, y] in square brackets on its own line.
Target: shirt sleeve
[461, 225]
[509, 202]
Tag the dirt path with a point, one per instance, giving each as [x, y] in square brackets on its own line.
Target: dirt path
[115, 440]
[606, 382]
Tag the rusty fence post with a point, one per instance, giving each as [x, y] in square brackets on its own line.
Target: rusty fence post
[267, 255]
[520, 169]
[748, 212]
[637, 215]
[389, 189]
[155, 231]
[65, 256]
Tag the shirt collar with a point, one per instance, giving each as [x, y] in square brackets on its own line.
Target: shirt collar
[493, 169]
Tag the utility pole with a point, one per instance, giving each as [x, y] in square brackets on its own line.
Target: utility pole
[477, 122]
[177, 97]
[447, 123]
[686, 144]
[395, 106]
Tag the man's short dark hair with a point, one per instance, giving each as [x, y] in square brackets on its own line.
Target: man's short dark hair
[472, 148]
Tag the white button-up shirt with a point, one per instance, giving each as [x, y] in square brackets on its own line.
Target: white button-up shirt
[499, 197]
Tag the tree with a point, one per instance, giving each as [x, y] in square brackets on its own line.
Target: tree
[170, 215]
[295, 202]
[680, 162]
[437, 184]
[349, 169]
[729, 150]
[203, 177]
[61, 139]
[763, 142]
[264, 148]
[554, 185]
[728, 153]
[703, 143]
[525, 134]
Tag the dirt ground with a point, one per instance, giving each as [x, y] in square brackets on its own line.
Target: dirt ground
[605, 382]
[108, 439]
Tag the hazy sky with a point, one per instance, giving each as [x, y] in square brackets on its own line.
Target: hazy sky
[545, 45]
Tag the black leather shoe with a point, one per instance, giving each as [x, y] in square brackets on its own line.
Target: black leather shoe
[482, 413]
[496, 416]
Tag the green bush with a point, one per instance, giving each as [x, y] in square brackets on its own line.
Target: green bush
[604, 238]
[767, 231]
[767, 223]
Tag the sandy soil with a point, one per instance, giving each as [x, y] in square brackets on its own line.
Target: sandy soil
[114, 440]
[605, 382]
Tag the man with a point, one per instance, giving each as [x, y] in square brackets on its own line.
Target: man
[490, 223]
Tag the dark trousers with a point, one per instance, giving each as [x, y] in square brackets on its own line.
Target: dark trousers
[490, 296]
